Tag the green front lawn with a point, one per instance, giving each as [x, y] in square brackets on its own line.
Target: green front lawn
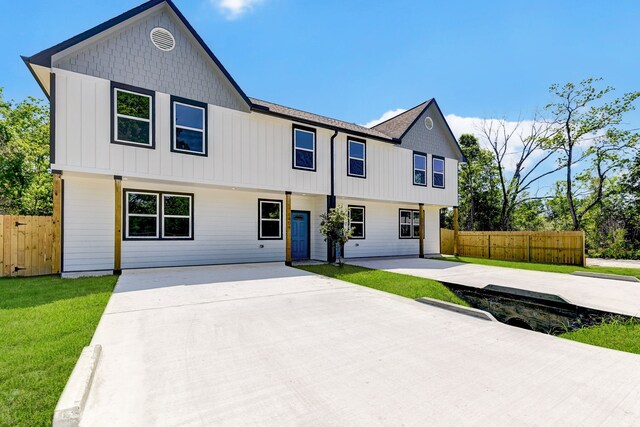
[399, 284]
[552, 268]
[618, 335]
[44, 324]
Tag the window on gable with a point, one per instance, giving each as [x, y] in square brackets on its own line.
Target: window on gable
[269, 219]
[154, 215]
[409, 224]
[356, 221]
[419, 169]
[438, 172]
[304, 148]
[189, 132]
[356, 158]
[132, 116]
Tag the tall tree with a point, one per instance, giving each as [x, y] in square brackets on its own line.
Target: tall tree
[25, 179]
[586, 131]
[478, 184]
[522, 153]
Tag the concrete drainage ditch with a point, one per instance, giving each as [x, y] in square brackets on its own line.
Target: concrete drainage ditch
[536, 311]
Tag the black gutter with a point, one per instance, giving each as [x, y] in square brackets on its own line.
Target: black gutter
[331, 198]
[265, 110]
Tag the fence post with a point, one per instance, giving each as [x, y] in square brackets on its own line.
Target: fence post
[455, 231]
[584, 250]
[489, 246]
[56, 258]
[529, 248]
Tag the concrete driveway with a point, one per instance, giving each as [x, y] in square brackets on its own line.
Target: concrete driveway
[264, 344]
[603, 294]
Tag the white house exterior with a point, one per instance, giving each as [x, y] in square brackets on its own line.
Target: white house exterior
[166, 162]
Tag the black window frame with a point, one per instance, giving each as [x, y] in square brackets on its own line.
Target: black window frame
[152, 122]
[364, 159]
[411, 225]
[191, 103]
[426, 168]
[433, 171]
[294, 128]
[280, 202]
[364, 220]
[160, 215]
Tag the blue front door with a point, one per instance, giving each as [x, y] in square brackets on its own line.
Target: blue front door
[299, 235]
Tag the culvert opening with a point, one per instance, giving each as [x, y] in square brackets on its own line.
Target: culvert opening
[519, 323]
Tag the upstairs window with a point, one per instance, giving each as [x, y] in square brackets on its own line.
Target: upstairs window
[356, 158]
[419, 169]
[409, 224]
[189, 131]
[269, 219]
[437, 167]
[304, 148]
[132, 115]
[356, 221]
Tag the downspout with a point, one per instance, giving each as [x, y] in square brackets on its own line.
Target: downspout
[331, 198]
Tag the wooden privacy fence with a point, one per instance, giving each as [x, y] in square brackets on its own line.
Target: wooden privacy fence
[549, 247]
[26, 245]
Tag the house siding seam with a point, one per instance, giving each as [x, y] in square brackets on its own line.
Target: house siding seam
[129, 56]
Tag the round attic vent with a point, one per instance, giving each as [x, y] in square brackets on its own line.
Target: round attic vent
[162, 39]
[428, 122]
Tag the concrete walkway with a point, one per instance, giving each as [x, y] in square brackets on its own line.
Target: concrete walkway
[270, 345]
[603, 294]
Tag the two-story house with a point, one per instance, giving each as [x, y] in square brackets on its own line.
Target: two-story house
[162, 160]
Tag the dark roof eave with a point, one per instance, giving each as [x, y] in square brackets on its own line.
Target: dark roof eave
[27, 62]
[265, 110]
[44, 57]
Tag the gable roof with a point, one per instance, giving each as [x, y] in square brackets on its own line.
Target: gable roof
[265, 107]
[398, 126]
[44, 58]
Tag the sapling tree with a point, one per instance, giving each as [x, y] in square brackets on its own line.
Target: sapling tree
[335, 228]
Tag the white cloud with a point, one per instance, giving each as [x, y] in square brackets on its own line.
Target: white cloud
[233, 9]
[386, 116]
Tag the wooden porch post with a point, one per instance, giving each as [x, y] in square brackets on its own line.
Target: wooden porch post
[455, 230]
[287, 260]
[56, 255]
[421, 207]
[117, 245]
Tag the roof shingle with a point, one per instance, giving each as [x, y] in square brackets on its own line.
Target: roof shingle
[396, 126]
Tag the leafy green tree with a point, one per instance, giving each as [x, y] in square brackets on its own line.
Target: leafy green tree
[334, 226]
[587, 132]
[479, 200]
[25, 179]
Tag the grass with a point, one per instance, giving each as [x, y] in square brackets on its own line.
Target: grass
[553, 268]
[399, 284]
[617, 335]
[44, 324]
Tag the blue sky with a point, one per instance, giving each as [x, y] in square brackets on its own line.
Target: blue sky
[355, 60]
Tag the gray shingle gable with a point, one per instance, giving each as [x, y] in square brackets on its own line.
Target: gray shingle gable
[128, 56]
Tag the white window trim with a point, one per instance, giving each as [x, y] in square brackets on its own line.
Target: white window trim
[176, 126]
[279, 220]
[128, 215]
[124, 116]
[418, 169]
[411, 223]
[364, 218]
[177, 216]
[363, 159]
[434, 173]
[295, 147]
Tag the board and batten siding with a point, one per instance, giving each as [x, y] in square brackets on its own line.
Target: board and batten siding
[382, 234]
[389, 176]
[246, 150]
